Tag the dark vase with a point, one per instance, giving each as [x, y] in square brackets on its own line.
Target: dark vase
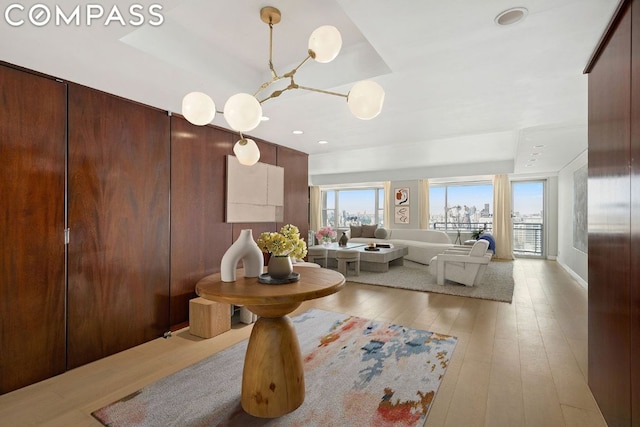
[343, 239]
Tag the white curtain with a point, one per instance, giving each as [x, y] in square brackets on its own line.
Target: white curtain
[502, 224]
[424, 203]
[386, 213]
[315, 207]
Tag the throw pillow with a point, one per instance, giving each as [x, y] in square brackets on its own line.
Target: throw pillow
[369, 231]
[381, 233]
[356, 231]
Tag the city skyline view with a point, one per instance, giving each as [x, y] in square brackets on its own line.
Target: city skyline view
[359, 205]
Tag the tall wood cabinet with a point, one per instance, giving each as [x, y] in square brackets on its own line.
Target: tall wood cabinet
[32, 223]
[141, 196]
[614, 219]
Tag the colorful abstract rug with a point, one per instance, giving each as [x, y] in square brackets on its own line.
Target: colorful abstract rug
[358, 372]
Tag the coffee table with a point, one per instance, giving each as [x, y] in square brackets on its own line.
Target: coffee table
[377, 261]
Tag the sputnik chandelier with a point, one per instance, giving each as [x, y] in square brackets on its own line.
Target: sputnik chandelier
[243, 111]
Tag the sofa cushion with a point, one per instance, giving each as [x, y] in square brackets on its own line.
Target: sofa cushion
[369, 231]
[356, 231]
[380, 233]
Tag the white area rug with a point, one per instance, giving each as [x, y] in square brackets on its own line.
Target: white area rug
[497, 283]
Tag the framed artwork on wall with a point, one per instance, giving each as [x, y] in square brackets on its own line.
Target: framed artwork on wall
[254, 194]
[401, 215]
[580, 231]
[401, 197]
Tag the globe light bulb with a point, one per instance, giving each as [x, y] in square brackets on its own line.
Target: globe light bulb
[325, 42]
[242, 112]
[198, 108]
[365, 99]
[246, 151]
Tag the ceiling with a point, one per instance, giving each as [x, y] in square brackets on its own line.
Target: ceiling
[464, 96]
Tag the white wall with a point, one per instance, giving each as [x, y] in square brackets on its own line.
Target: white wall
[551, 218]
[573, 260]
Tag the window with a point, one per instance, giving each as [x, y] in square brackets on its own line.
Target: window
[461, 206]
[528, 218]
[328, 208]
[345, 207]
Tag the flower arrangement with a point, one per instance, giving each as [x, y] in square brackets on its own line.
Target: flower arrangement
[326, 234]
[286, 242]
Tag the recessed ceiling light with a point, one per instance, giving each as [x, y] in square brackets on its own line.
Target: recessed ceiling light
[264, 118]
[539, 146]
[511, 16]
[534, 154]
[531, 160]
[323, 142]
[297, 132]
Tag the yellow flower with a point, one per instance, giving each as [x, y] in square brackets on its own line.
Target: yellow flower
[286, 242]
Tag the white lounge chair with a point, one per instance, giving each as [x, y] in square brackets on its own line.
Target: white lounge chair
[461, 266]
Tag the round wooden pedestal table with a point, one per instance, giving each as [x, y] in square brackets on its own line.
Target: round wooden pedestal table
[273, 377]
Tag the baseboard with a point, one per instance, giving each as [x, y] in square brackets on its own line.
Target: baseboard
[573, 274]
[552, 258]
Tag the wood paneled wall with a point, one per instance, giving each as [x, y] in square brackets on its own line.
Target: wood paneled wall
[199, 235]
[614, 288]
[145, 209]
[296, 210]
[119, 225]
[32, 254]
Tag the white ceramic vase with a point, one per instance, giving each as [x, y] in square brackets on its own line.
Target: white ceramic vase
[245, 249]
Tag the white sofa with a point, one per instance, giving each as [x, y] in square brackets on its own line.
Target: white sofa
[423, 244]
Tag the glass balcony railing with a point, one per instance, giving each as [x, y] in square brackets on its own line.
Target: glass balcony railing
[466, 226]
[527, 237]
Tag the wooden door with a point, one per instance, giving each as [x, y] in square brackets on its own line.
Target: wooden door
[32, 254]
[119, 168]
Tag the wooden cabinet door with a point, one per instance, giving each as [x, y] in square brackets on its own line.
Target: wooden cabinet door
[118, 264]
[32, 276]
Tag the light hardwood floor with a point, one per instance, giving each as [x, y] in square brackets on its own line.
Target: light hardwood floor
[519, 364]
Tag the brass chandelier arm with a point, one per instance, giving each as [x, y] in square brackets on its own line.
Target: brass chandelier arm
[274, 75]
[294, 85]
[328, 92]
[292, 72]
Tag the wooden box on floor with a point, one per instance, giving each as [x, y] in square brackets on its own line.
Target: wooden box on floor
[208, 318]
